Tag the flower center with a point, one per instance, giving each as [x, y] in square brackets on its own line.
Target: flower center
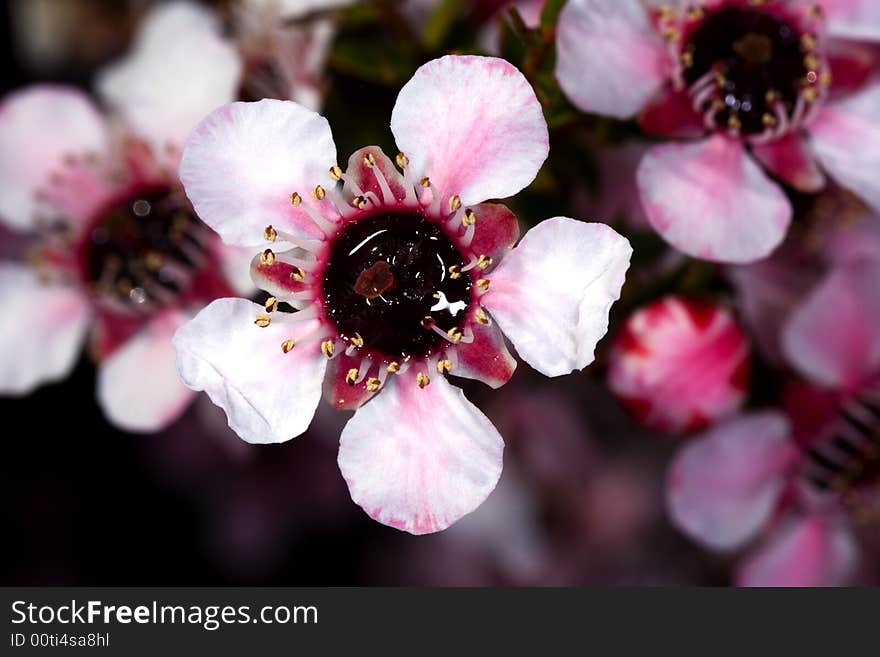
[143, 249]
[750, 69]
[847, 462]
[388, 285]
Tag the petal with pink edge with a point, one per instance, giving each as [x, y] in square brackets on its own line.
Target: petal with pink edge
[179, 69]
[486, 358]
[473, 125]
[722, 487]
[853, 19]
[362, 176]
[809, 551]
[42, 329]
[39, 126]
[281, 279]
[243, 162]
[610, 60]
[846, 140]
[495, 232]
[268, 396]
[139, 389]
[710, 200]
[790, 160]
[833, 337]
[551, 296]
[338, 391]
[419, 459]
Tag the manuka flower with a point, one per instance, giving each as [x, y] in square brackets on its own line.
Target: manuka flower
[761, 86]
[679, 365]
[117, 250]
[398, 280]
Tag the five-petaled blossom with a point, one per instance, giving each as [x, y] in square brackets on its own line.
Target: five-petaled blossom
[776, 86]
[803, 482]
[679, 364]
[117, 250]
[397, 280]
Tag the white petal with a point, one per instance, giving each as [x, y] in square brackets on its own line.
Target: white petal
[42, 328]
[179, 69]
[291, 9]
[138, 385]
[853, 19]
[552, 294]
[473, 125]
[420, 459]
[38, 127]
[268, 396]
[242, 163]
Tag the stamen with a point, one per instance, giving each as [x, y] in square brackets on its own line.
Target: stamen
[288, 345]
[444, 366]
[393, 367]
[373, 384]
[423, 380]
[481, 316]
[271, 304]
[328, 347]
[270, 234]
[387, 194]
[262, 321]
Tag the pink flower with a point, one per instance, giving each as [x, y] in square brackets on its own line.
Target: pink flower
[398, 280]
[758, 87]
[679, 365]
[802, 488]
[119, 255]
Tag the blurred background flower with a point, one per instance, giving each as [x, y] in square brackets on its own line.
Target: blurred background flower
[728, 431]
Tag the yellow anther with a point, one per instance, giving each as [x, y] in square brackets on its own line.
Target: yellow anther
[481, 316]
[484, 261]
[270, 234]
[811, 62]
[262, 321]
[810, 94]
[328, 347]
[768, 119]
[454, 202]
[483, 284]
[373, 384]
[336, 173]
[808, 41]
[469, 218]
[423, 380]
[318, 193]
[360, 202]
[687, 59]
[370, 160]
[815, 12]
[267, 257]
[402, 160]
[357, 340]
[825, 79]
[733, 122]
[287, 345]
[351, 376]
[271, 304]
[771, 96]
[296, 199]
[297, 274]
[393, 367]
[454, 334]
[695, 13]
[424, 181]
[154, 261]
[444, 366]
[454, 271]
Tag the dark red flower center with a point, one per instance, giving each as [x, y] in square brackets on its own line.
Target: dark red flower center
[749, 67]
[393, 279]
[142, 248]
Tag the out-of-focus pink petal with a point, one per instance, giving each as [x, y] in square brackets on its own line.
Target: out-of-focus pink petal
[418, 459]
[852, 65]
[609, 60]
[551, 296]
[790, 159]
[485, 359]
[39, 127]
[722, 487]
[42, 329]
[243, 162]
[290, 9]
[473, 125]
[846, 140]
[179, 69]
[833, 338]
[138, 386]
[809, 551]
[269, 396]
[853, 19]
[710, 200]
[671, 114]
[680, 364]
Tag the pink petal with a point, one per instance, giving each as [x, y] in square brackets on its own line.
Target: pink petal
[361, 177]
[852, 65]
[710, 200]
[243, 162]
[279, 278]
[833, 338]
[138, 386]
[179, 69]
[39, 126]
[789, 159]
[810, 551]
[671, 114]
[268, 396]
[338, 392]
[485, 359]
[680, 364]
[551, 296]
[722, 487]
[495, 232]
[853, 19]
[42, 329]
[609, 58]
[419, 459]
[473, 125]
[846, 141]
